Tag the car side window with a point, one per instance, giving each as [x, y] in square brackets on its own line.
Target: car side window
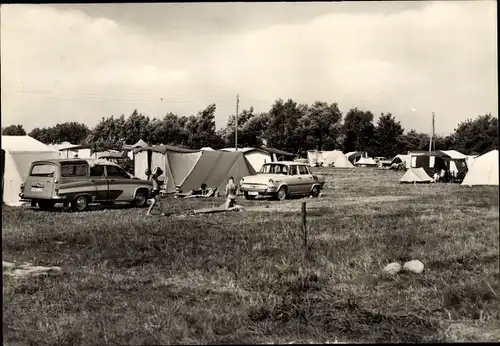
[116, 172]
[97, 171]
[293, 170]
[303, 170]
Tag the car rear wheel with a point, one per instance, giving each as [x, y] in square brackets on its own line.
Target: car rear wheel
[80, 203]
[282, 194]
[315, 192]
[249, 197]
[141, 199]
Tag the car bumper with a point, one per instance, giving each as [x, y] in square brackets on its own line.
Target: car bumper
[23, 198]
[260, 190]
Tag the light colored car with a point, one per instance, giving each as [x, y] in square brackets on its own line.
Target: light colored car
[79, 182]
[282, 179]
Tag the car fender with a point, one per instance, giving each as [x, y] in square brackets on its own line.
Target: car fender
[86, 194]
[282, 185]
[143, 187]
[314, 185]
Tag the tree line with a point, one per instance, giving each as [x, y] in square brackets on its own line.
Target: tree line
[287, 126]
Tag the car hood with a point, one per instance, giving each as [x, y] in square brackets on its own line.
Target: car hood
[262, 178]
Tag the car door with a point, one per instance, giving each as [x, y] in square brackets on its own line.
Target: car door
[121, 186]
[100, 182]
[293, 180]
[306, 179]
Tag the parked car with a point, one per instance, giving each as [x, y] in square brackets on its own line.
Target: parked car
[282, 179]
[79, 182]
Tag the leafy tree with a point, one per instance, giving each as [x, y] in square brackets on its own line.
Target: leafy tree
[135, 128]
[42, 134]
[13, 130]
[321, 126]
[170, 130]
[72, 132]
[109, 133]
[251, 126]
[414, 140]
[281, 132]
[201, 129]
[476, 136]
[388, 135]
[358, 130]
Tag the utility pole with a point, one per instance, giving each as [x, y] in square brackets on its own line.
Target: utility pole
[432, 134]
[236, 123]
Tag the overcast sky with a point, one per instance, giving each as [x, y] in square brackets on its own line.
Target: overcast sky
[84, 62]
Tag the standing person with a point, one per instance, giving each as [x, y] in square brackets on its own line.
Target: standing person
[230, 193]
[155, 192]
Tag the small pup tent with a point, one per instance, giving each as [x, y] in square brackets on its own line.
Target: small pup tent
[415, 175]
[187, 169]
[484, 171]
[366, 161]
[18, 152]
[406, 159]
[353, 156]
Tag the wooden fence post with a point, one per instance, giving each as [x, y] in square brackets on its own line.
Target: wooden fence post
[304, 226]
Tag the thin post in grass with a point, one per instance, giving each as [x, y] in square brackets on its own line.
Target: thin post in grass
[304, 226]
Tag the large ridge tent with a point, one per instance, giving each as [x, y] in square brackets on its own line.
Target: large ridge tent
[256, 157]
[335, 158]
[415, 175]
[18, 152]
[484, 171]
[436, 160]
[187, 169]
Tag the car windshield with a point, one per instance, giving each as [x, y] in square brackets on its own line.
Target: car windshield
[274, 169]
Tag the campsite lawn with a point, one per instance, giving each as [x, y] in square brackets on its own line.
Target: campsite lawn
[240, 277]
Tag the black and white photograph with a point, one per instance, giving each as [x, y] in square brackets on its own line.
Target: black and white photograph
[250, 172]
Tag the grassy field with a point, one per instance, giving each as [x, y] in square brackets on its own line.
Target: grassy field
[241, 277]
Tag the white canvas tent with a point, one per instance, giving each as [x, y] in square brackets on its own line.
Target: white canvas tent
[484, 171]
[18, 152]
[402, 158]
[366, 161]
[334, 158]
[415, 175]
[342, 162]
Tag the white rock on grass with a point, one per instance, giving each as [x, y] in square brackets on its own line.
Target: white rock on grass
[7, 265]
[34, 271]
[414, 266]
[392, 268]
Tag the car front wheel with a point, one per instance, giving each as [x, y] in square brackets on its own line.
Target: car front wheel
[282, 194]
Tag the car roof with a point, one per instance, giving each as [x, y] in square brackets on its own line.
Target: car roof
[287, 163]
[91, 162]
